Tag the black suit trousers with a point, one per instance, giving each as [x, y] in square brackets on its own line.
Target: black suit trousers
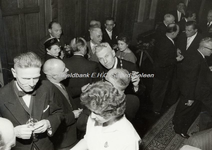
[185, 115]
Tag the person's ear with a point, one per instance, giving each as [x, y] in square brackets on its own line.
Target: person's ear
[13, 72]
[114, 25]
[50, 31]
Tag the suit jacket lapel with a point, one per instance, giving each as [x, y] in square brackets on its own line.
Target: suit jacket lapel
[39, 104]
[15, 107]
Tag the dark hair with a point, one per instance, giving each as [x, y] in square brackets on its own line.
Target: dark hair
[50, 42]
[124, 37]
[192, 23]
[172, 27]
[189, 13]
[51, 23]
[109, 18]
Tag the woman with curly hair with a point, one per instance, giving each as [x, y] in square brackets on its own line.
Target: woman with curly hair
[107, 126]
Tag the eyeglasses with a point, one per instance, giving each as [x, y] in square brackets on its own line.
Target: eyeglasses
[208, 48]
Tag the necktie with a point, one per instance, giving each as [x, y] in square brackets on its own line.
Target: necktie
[65, 93]
[188, 43]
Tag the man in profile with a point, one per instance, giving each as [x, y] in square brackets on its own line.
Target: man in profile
[29, 105]
[66, 135]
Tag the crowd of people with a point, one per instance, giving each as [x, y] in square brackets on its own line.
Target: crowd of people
[84, 94]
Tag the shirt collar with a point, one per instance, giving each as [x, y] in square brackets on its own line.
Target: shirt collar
[170, 39]
[116, 63]
[201, 54]
[78, 55]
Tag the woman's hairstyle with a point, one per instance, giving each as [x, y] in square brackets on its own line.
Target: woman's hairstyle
[102, 96]
[124, 37]
[76, 43]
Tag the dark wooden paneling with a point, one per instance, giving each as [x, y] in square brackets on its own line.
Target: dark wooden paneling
[23, 27]
[32, 27]
[8, 4]
[30, 3]
[12, 36]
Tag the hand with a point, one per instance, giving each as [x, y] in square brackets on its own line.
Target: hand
[189, 103]
[23, 131]
[77, 112]
[41, 126]
[135, 79]
[178, 52]
[210, 67]
[179, 57]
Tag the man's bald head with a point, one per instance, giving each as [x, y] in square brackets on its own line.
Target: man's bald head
[7, 134]
[168, 19]
[55, 70]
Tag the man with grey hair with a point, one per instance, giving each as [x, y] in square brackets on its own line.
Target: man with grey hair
[108, 60]
[29, 105]
[96, 38]
[66, 135]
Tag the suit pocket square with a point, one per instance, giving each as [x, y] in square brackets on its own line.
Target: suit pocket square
[46, 109]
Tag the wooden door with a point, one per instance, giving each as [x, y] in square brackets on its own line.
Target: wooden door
[23, 24]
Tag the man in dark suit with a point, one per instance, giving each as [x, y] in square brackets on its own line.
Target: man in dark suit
[189, 40]
[80, 70]
[180, 12]
[109, 34]
[107, 59]
[29, 105]
[188, 71]
[95, 39]
[66, 135]
[55, 31]
[204, 87]
[189, 16]
[161, 28]
[164, 66]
